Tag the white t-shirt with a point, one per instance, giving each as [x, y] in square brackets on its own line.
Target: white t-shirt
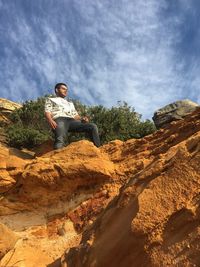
[60, 107]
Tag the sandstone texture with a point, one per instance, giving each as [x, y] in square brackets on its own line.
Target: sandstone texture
[49, 200]
[155, 218]
[133, 203]
[7, 239]
[174, 111]
[12, 162]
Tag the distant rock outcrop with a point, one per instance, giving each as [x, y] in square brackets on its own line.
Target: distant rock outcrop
[6, 107]
[132, 203]
[174, 111]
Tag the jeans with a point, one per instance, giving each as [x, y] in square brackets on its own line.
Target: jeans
[65, 125]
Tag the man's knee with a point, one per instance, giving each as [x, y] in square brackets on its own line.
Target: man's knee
[60, 125]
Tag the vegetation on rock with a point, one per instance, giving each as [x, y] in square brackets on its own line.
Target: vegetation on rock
[29, 127]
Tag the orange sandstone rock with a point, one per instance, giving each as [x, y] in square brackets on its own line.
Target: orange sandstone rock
[155, 219]
[7, 239]
[136, 201]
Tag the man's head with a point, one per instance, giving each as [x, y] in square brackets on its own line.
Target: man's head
[61, 89]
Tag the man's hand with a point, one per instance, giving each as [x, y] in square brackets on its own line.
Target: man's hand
[77, 117]
[85, 119]
[52, 123]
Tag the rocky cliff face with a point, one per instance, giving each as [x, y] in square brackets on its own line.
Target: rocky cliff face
[6, 107]
[133, 203]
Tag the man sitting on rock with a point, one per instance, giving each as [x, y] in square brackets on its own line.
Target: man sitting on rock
[63, 118]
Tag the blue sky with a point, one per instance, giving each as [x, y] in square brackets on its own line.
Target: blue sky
[144, 52]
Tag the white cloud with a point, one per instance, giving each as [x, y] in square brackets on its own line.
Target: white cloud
[106, 50]
[142, 70]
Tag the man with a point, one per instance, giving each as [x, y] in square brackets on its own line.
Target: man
[63, 118]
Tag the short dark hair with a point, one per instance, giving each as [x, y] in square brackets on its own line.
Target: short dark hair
[58, 85]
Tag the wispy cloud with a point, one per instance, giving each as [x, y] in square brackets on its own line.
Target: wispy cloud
[106, 51]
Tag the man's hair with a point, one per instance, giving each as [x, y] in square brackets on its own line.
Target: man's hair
[58, 85]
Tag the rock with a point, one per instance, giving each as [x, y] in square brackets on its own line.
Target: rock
[137, 200]
[44, 148]
[172, 112]
[7, 239]
[10, 160]
[6, 107]
[6, 181]
[154, 221]
[59, 174]
[27, 257]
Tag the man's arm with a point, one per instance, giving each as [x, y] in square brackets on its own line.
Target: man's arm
[50, 120]
[77, 116]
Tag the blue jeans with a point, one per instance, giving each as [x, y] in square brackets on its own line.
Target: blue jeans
[65, 125]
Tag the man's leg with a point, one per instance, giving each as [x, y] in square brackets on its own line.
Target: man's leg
[60, 132]
[90, 128]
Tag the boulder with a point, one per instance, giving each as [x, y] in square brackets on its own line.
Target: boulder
[174, 111]
[26, 256]
[7, 239]
[58, 175]
[6, 107]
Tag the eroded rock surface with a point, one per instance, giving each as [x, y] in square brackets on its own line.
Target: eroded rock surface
[7, 239]
[155, 219]
[57, 176]
[133, 203]
[51, 199]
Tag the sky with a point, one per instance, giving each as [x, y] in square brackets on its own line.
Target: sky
[143, 52]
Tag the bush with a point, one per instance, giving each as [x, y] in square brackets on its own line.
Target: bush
[120, 122]
[20, 137]
[29, 127]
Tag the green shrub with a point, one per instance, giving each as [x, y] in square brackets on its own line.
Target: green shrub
[120, 122]
[20, 137]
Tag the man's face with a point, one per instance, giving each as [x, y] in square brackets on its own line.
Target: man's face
[62, 91]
